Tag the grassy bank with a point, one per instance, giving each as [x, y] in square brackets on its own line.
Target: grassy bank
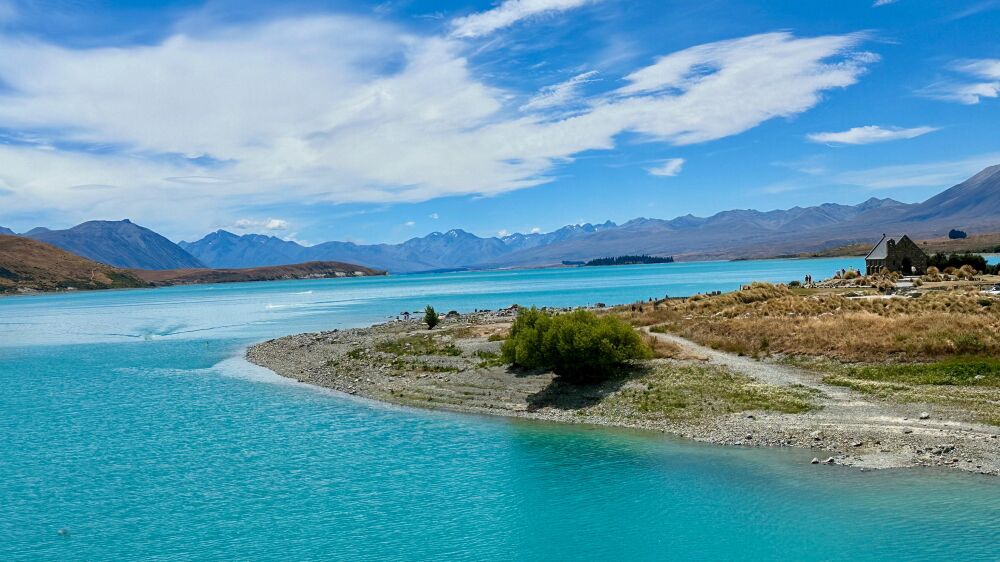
[773, 319]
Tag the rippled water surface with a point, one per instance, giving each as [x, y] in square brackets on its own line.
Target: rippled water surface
[128, 419]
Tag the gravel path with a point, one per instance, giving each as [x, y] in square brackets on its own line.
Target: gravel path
[770, 373]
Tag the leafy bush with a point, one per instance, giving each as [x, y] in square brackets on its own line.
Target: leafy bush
[956, 234]
[431, 317]
[578, 347]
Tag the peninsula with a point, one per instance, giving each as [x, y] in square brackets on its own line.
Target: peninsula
[867, 377]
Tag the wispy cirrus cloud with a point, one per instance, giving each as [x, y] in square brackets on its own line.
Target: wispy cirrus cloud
[879, 3]
[932, 174]
[507, 14]
[667, 168]
[870, 134]
[559, 95]
[980, 79]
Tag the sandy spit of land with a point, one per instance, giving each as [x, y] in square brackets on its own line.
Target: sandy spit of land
[458, 372]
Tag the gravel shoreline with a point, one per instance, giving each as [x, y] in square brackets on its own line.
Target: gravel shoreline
[459, 373]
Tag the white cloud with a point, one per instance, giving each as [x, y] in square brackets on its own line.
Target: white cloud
[981, 80]
[304, 111]
[434, 216]
[536, 230]
[503, 232]
[410, 224]
[870, 134]
[669, 167]
[560, 94]
[508, 13]
[259, 224]
[883, 3]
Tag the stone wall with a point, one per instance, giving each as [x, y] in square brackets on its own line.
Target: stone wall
[905, 251]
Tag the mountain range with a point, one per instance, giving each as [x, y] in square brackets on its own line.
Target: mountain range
[973, 205]
[118, 243]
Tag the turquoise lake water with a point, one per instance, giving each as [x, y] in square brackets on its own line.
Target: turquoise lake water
[129, 419]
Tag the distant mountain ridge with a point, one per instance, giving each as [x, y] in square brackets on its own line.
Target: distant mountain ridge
[458, 249]
[118, 243]
[728, 234]
[454, 249]
[971, 205]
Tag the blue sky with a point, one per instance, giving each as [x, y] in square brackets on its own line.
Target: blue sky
[380, 121]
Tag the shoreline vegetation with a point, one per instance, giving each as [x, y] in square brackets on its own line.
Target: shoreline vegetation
[867, 377]
[629, 260]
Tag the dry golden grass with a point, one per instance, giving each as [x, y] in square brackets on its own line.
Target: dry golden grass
[773, 319]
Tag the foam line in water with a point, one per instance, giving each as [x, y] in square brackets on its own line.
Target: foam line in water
[238, 367]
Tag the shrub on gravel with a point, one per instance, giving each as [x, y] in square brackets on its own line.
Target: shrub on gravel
[579, 347]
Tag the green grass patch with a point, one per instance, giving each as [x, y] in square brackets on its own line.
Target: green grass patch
[983, 371]
[489, 359]
[698, 392]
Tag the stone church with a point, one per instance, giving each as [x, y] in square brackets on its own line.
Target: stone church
[899, 254]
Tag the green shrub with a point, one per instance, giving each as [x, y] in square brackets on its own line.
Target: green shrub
[578, 347]
[431, 317]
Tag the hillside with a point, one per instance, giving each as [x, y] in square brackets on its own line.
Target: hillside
[118, 243]
[28, 265]
[310, 270]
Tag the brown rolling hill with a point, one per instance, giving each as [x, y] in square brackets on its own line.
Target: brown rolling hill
[28, 266]
[308, 270]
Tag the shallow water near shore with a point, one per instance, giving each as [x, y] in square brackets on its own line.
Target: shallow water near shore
[128, 419]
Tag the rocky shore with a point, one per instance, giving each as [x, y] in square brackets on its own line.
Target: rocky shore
[688, 391]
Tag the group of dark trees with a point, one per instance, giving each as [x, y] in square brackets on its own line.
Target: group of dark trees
[631, 260]
[976, 261]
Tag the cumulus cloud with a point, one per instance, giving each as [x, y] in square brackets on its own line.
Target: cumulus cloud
[536, 230]
[870, 134]
[980, 79]
[340, 109]
[559, 95]
[669, 167]
[261, 224]
[434, 216]
[507, 14]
